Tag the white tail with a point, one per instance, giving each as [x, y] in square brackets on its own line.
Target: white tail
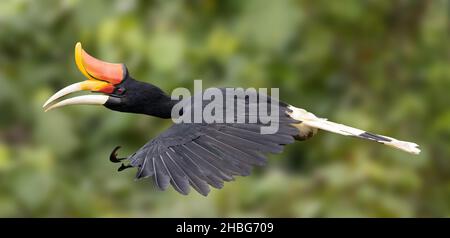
[311, 120]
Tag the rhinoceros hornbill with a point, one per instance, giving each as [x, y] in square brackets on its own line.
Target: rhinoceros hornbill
[201, 153]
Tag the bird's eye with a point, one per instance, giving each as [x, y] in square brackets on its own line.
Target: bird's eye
[120, 91]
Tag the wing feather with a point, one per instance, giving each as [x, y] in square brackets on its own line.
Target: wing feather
[198, 184]
[162, 179]
[178, 178]
[203, 155]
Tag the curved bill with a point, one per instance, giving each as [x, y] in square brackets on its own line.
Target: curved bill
[102, 77]
[81, 100]
[97, 86]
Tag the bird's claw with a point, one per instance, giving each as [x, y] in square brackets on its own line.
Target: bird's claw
[113, 157]
[123, 167]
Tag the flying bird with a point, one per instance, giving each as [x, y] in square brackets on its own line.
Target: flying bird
[202, 154]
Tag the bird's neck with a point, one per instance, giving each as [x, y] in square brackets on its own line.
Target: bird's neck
[161, 107]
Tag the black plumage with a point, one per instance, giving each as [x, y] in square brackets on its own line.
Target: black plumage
[201, 154]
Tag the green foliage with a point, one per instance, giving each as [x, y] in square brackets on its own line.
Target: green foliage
[379, 65]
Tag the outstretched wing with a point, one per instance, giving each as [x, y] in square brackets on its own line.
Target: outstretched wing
[202, 155]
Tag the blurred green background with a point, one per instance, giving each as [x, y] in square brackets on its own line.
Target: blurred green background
[378, 65]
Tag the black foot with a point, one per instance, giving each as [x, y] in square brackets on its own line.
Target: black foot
[123, 167]
[113, 157]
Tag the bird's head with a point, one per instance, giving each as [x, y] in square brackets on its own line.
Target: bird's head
[114, 86]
